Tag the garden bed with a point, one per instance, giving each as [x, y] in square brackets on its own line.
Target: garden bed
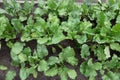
[60, 40]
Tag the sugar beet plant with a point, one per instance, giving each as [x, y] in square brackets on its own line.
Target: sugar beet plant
[53, 35]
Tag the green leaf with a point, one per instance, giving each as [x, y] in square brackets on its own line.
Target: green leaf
[85, 51]
[39, 11]
[43, 66]
[22, 57]
[101, 18]
[41, 51]
[10, 75]
[22, 18]
[100, 1]
[118, 19]
[107, 51]
[116, 28]
[66, 53]
[35, 74]
[81, 39]
[30, 20]
[51, 72]
[115, 46]
[27, 51]
[3, 24]
[58, 36]
[89, 69]
[112, 64]
[18, 26]
[53, 60]
[99, 52]
[2, 67]
[72, 74]
[28, 6]
[2, 11]
[17, 48]
[85, 26]
[23, 73]
[42, 40]
[98, 66]
[62, 12]
[63, 73]
[72, 60]
[110, 76]
[52, 4]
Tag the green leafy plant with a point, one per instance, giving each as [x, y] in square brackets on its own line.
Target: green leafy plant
[60, 31]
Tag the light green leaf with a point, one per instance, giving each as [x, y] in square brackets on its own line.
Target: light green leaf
[2, 11]
[98, 66]
[72, 74]
[72, 60]
[42, 40]
[17, 48]
[39, 11]
[43, 66]
[100, 1]
[22, 18]
[53, 60]
[10, 75]
[63, 73]
[35, 74]
[81, 39]
[66, 53]
[51, 72]
[85, 26]
[115, 46]
[58, 37]
[23, 73]
[62, 12]
[89, 69]
[107, 51]
[2, 67]
[3, 24]
[118, 19]
[41, 51]
[22, 57]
